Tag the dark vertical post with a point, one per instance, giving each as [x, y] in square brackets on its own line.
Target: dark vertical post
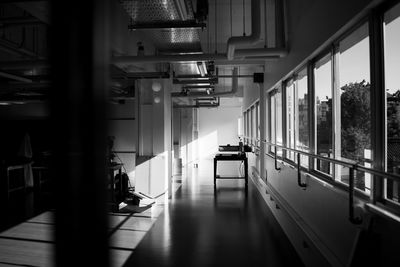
[378, 96]
[79, 43]
[280, 23]
[311, 112]
[352, 218]
[215, 171]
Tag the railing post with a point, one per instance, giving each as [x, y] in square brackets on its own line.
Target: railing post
[276, 160]
[299, 182]
[353, 220]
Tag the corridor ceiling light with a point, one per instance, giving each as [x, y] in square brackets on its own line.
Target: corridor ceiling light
[201, 65]
[156, 86]
[157, 100]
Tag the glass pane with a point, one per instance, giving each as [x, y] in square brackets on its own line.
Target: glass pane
[248, 127]
[323, 108]
[290, 119]
[278, 119]
[354, 109]
[301, 113]
[272, 124]
[392, 71]
[253, 125]
[258, 121]
[244, 126]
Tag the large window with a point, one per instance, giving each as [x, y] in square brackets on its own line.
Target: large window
[253, 125]
[248, 126]
[276, 120]
[301, 115]
[290, 118]
[258, 121]
[244, 126]
[392, 73]
[323, 112]
[272, 119]
[353, 108]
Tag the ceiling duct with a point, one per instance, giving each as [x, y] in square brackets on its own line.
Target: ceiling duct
[235, 85]
[255, 37]
[170, 25]
[232, 92]
[212, 102]
[219, 59]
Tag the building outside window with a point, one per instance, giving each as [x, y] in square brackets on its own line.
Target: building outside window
[301, 115]
[290, 118]
[272, 121]
[353, 106]
[391, 26]
[276, 120]
[254, 125]
[323, 110]
[258, 122]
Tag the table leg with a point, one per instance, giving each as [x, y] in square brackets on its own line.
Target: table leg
[120, 183]
[215, 171]
[246, 175]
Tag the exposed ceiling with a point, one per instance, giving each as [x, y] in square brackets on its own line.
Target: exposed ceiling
[174, 27]
[158, 12]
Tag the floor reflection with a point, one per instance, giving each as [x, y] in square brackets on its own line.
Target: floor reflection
[214, 226]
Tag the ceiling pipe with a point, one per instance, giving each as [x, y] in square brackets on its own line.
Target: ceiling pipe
[166, 58]
[232, 92]
[219, 59]
[168, 26]
[205, 82]
[24, 64]
[261, 52]
[14, 77]
[254, 38]
[197, 106]
[235, 85]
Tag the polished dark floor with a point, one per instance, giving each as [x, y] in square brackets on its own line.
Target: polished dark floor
[222, 227]
[23, 205]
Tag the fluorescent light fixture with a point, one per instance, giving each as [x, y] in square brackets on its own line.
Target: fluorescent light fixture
[201, 65]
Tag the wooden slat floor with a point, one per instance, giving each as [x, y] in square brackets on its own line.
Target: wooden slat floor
[31, 243]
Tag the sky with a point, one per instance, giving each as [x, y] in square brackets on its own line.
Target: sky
[354, 61]
[392, 52]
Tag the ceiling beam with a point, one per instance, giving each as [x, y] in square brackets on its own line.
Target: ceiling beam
[167, 25]
[20, 1]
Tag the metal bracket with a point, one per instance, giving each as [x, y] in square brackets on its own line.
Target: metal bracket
[299, 182]
[352, 218]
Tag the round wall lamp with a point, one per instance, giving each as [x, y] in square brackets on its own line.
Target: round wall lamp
[156, 86]
[157, 100]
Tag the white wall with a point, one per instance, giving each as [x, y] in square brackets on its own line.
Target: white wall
[154, 164]
[217, 126]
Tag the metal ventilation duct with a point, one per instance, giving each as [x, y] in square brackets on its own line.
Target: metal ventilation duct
[154, 12]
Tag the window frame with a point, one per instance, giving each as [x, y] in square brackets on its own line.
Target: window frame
[377, 95]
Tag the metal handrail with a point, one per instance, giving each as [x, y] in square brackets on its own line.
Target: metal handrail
[352, 165]
[349, 163]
